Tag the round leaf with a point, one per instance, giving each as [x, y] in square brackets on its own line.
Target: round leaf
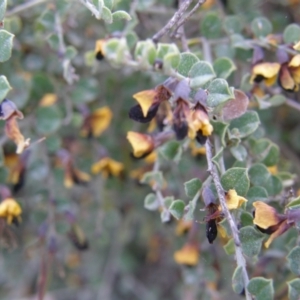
[151, 202]
[261, 288]
[187, 61]
[211, 25]
[237, 280]
[48, 119]
[218, 92]
[251, 240]
[237, 179]
[6, 43]
[294, 260]
[201, 73]
[177, 209]
[4, 87]
[261, 27]
[224, 67]
[294, 289]
[192, 187]
[2, 9]
[291, 34]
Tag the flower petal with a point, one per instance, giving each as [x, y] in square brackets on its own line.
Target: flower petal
[145, 100]
[142, 144]
[187, 255]
[233, 200]
[265, 215]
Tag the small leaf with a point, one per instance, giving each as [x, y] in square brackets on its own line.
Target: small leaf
[245, 125]
[165, 215]
[258, 174]
[266, 151]
[216, 159]
[239, 152]
[233, 24]
[151, 202]
[177, 209]
[251, 240]
[171, 150]
[294, 260]
[218, 92]
[189, 216]
[224, 67]
[47, 19]
[229, 247]
[153, 177]
[236, 179]
[108, 3]
[6, 44]
[261, 288]
[106, 15]
[86, 90]
[246, 219]
[192, 187]
[121, 14]
[277, 100]
[3, 5]
[291, 34]
[4, 87]
[201, 73]
[168, 201]
[261, 27]
[145, 53]
[294, 289]
[211, 25]
[237, 280]
[171, 61]
[273, 185]
[220, 129]
[187, 61]
[71, 52]
[48, 119]
[164, 49]
[256, 193]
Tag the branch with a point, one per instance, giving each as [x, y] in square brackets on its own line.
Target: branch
[240, 259]
[177, 16]
[293, 104]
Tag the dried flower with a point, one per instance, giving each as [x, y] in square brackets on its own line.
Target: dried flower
[180, 119]
[142, 144]
[10, 113]
[10, 210]
[108, 167]
[97, 122]
[187, 255]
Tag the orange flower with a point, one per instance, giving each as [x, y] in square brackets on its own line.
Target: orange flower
[187, 255]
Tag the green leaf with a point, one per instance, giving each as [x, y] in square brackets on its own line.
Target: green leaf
[86, 90]
[244, 125]
[47, 19]
[192, 187]
[106, 15]
[224, 67]
[189, 216]
[239, 152]
[155, 177]
[151, 202]
[233, 24]
[13, 24]
[261, 27]
[291, 34]
[121, 14]
[171, 61]
[108, 3]
[261, 288]
[165, 215]
[4, 87]
[168, 201]
[201, 73]
[71, 52]
[171, 150]
[273, 185]
[145, 53]
[218, 92]
[294, 202]
[211, 25]
[177, 209]
[294, 289]
[217, 158]
[187, 61]
[256, 193]
[258, 174]
[229, 247]
[48, 119]
[246, 219]
[164, 49]
[6, 44]
[266, 151]
[3, 5]
[237, 280]
[294, 260]
[237, 179]
[251, 240]
[277, 100]
[220, 129]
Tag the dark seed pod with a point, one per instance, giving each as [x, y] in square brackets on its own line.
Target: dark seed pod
[136, 113]
[181, 130]
[211, 231]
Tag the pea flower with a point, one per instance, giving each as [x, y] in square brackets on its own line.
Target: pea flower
[10, 210]
[108, 167]
[10, 113]
[97, 122]
[265, 71]
[142, 144]
[187, 255]
[99, 49]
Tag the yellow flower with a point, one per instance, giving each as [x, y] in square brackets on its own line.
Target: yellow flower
[48, 100]
[265, 71]
[142, 144]
[99, 49]
[10, 210]
[273, 169]
[233, 200]
[108, 167]
[187, 255]
[297, 46]
[183, 227]
[197, 150]
[151, 158]
[145, 100]
[12, 162]
[97, 122]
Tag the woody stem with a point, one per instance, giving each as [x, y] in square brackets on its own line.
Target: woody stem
[240, 259]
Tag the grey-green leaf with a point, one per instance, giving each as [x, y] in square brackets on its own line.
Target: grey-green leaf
[151, 202]
[121, 14]
[187, 61]
[224, 67]
[3, 5]
[6, 44]
[4, 87]
[192, 187]
[177, 209]
[261, 27]
[294, 260]
[261, 288]
[237, 280]
[201, 73]
[218, 92]
[291, 34]
[294, 289]
[251, 241]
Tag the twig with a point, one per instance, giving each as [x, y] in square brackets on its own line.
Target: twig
[240, 260]
[293, 104]
[192, 11]
[92, 8]
[23, 7]
[176, 17]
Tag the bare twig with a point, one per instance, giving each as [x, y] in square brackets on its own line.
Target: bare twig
[177, 16]
[293, 104]
[23, 7]
[240, 259]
